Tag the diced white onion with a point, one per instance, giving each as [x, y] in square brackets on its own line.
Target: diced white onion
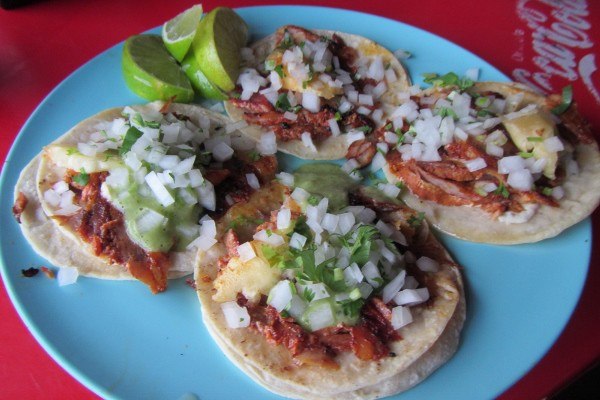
[284, 217]
[280, 295]
[320, 316]
[510, 164]
[67, 276]
[195, 177]
[272, 239]
[60, 187]
[202, 243]
[353, 136]
[330, 222]
[367, 216]
[427, 264]
[307, 141]
[149, 220]
[346, 222]
[206, 195]
[378, 162]
[353, 275]
[389, 189]
[554, 144]
[253, 181]
[401, 316]
[521, 180]
[235, 315]
[371, 274]
[411, 297]
[393, 287]
[558, 192]
[300, 195]
[267, 144]
[285, 178]
[290, 116]
[476, 164]
[158, 189]
[222, 152]
[334, 127]
[297, 241]
[51, 197]
[246, 251]
[311, 102]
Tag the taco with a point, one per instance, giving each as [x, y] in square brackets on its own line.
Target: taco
[493, 162]
[351, 297]
[315, 92]
[121, 195]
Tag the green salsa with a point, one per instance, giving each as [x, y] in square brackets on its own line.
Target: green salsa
[175, 232]
[326, 180]
[329, 180]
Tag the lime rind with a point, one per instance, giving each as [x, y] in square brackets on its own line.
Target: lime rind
[178, 33]
[152, 73]
[220, 36]
[203, 87]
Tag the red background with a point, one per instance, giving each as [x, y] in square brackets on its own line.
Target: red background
[43, 42]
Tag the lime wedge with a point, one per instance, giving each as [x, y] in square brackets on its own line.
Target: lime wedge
[199, 81]
[220, 36]
[151, 72]
[178, 33]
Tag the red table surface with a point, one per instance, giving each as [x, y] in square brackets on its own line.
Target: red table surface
[546, 43]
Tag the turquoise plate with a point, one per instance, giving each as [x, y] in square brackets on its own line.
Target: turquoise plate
[122, 342]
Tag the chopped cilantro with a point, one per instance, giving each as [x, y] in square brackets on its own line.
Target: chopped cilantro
[449, 79]
[82, 178]
[388, 127]
[243, 220]
[447, 111]
[287, 42]
[547, 191]
[566, 100]
[535, 139]
[365, 128]
[308, 294]
[132, 135]
[361, 247]
[352, 308]
[484, 112]
[416, 220]
[338, 116]
[525, 154]
[313, 200]
[137, 118]
[283, 103]
[502, 190]
[72, 150]
[279, 70]
[269, 65]
[254, 155]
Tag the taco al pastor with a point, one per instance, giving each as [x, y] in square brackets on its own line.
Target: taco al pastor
[314, 301]
[492, 163]
[120, 195]
[315, 92]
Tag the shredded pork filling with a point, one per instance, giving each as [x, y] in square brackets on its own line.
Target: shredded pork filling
[449, 182]
[103, 227]
[259, 111]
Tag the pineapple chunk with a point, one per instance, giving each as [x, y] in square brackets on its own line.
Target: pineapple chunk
[534, 125]
[251, 278]
[69, 157]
